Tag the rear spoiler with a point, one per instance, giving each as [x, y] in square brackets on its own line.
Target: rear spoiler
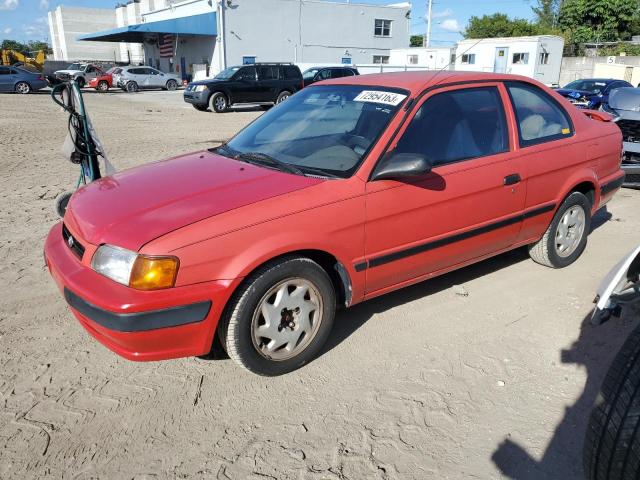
[598, 115]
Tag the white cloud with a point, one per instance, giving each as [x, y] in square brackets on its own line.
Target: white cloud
[9, 4]
[451, 25]
[38, 29]
[443, 14]
[7, 30]
[44, 4]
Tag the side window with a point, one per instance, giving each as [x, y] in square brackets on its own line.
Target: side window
[540, 119]
[457, 125]
[247, 73]
[268, 73]
[5, 71]
[324, 74]
[151, 71]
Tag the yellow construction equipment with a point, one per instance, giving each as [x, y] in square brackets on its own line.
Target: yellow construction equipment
[11, 57]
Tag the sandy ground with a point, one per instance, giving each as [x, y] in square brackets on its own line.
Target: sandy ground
[488, 372]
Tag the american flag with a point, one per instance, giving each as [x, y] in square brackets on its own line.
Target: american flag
[165, 44]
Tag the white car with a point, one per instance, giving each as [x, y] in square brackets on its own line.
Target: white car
[133, 79]
[80, 72]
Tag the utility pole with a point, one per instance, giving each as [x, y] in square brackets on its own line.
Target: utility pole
[428, 37]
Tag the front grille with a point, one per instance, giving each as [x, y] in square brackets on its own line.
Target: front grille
[64, 76]
[631, 159]
[630, 130]
[632, 178]
[73, 243]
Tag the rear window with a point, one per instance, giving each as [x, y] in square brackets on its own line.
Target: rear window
[291, 72]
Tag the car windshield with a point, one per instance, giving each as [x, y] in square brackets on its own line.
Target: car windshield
[592, 86]
[324, 130]
[227, 73]
[309, 74]
[75, 66]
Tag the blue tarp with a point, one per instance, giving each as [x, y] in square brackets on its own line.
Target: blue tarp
[203, 24]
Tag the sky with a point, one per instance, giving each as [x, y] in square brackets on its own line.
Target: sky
[27, 19]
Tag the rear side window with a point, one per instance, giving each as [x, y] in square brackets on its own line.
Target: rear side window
[291, 72]
[457, 125]
[540, 118]
[268, 73]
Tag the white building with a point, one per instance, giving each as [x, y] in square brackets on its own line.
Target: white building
[538, 57]
[184, 36]
[427, 58]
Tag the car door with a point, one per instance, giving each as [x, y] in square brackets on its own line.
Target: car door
[6, 79]
[469, 206]
[243, 88]
[157, 79]
[268, 83]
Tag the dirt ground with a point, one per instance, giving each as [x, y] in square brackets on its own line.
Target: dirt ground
[489, 372]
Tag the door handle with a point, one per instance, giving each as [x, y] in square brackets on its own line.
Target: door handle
[512, 179]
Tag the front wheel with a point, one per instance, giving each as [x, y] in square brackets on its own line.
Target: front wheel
[612, 443]
[280, 317]
[103, 86]
[219, 102]
[23, 88]
[566, 238]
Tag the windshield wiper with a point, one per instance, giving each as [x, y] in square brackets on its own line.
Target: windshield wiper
[224, 150]
[318, 171]
[264, 159]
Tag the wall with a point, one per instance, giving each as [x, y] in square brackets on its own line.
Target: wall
[574, 68]
[195, 49]
[429, 58]
[130, 15]
[68, 23]
[310, 31]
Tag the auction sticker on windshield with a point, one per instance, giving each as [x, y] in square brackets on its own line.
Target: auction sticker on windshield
[374, 96]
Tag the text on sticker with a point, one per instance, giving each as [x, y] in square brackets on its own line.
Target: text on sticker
[373, 96]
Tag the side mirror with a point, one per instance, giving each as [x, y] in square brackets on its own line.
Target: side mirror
[402, 165]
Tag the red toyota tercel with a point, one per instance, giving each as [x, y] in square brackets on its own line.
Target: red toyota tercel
[350, 189]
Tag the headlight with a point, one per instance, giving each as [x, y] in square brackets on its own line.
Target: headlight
[141, 272]
[199, 88]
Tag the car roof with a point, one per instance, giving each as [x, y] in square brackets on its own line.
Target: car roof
[416, 82]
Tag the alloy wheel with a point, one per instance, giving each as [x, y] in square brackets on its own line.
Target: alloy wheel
[570, 231]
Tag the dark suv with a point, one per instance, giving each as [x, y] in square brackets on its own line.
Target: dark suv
[317, 74]
[262, 83]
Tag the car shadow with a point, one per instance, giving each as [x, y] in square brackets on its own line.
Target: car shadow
[594, 349]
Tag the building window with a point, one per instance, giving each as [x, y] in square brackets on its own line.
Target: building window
[382, 28]
[544, 58]
[469, 59]
[520, 58]
[249, 60]
[412, 59]
[381, 59]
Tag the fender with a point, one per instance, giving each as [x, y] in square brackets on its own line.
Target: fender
[582, 176]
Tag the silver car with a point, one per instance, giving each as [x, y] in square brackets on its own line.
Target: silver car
[624, 105]
[133, 79]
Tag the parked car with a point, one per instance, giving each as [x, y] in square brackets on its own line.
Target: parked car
[613, 434]
[133, 79]
[591, 93]
[317, 74]
[624, 105]
[263, 83]
[104, 82]
[351, 188]
[19, 80]
[82, 73]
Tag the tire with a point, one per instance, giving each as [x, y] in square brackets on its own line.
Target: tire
[172, 85]
[244, 318]
[200, 108]
[218, 102]
[282, 97]
[612, 442]
[80, 81]
[560, 247]
[61, 203]
[132, 87]
[103, 86]
[23, 88]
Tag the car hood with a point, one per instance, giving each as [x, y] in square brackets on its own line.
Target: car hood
[625, 99]
[70, 72]
[568, 92]
[207, 81]
[133, 207]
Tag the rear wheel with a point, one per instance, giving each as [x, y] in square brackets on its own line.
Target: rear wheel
[103, 86]
[280, 317]
[132, 87]
[218, 102]
[612, 443]
[23, 88]
[283, 96]
[566, 238]
[172, 85]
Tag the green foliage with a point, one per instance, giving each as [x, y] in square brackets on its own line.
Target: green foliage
[546, 13]
[598, 20]
[616, 50]
[31, 46]
[500, 25]
[416, 40]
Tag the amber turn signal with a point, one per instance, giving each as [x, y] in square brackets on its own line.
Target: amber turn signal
[153, 273]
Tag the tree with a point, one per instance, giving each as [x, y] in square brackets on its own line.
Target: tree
[546, 13]
[416, 40]
[29, 47]
[499, 25]
[598, 20]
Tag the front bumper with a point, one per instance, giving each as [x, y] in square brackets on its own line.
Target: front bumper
[196, 98]
[137, 325]
[632, 171]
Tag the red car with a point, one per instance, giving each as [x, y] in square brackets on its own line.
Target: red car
[350, 189]
[104, 81]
